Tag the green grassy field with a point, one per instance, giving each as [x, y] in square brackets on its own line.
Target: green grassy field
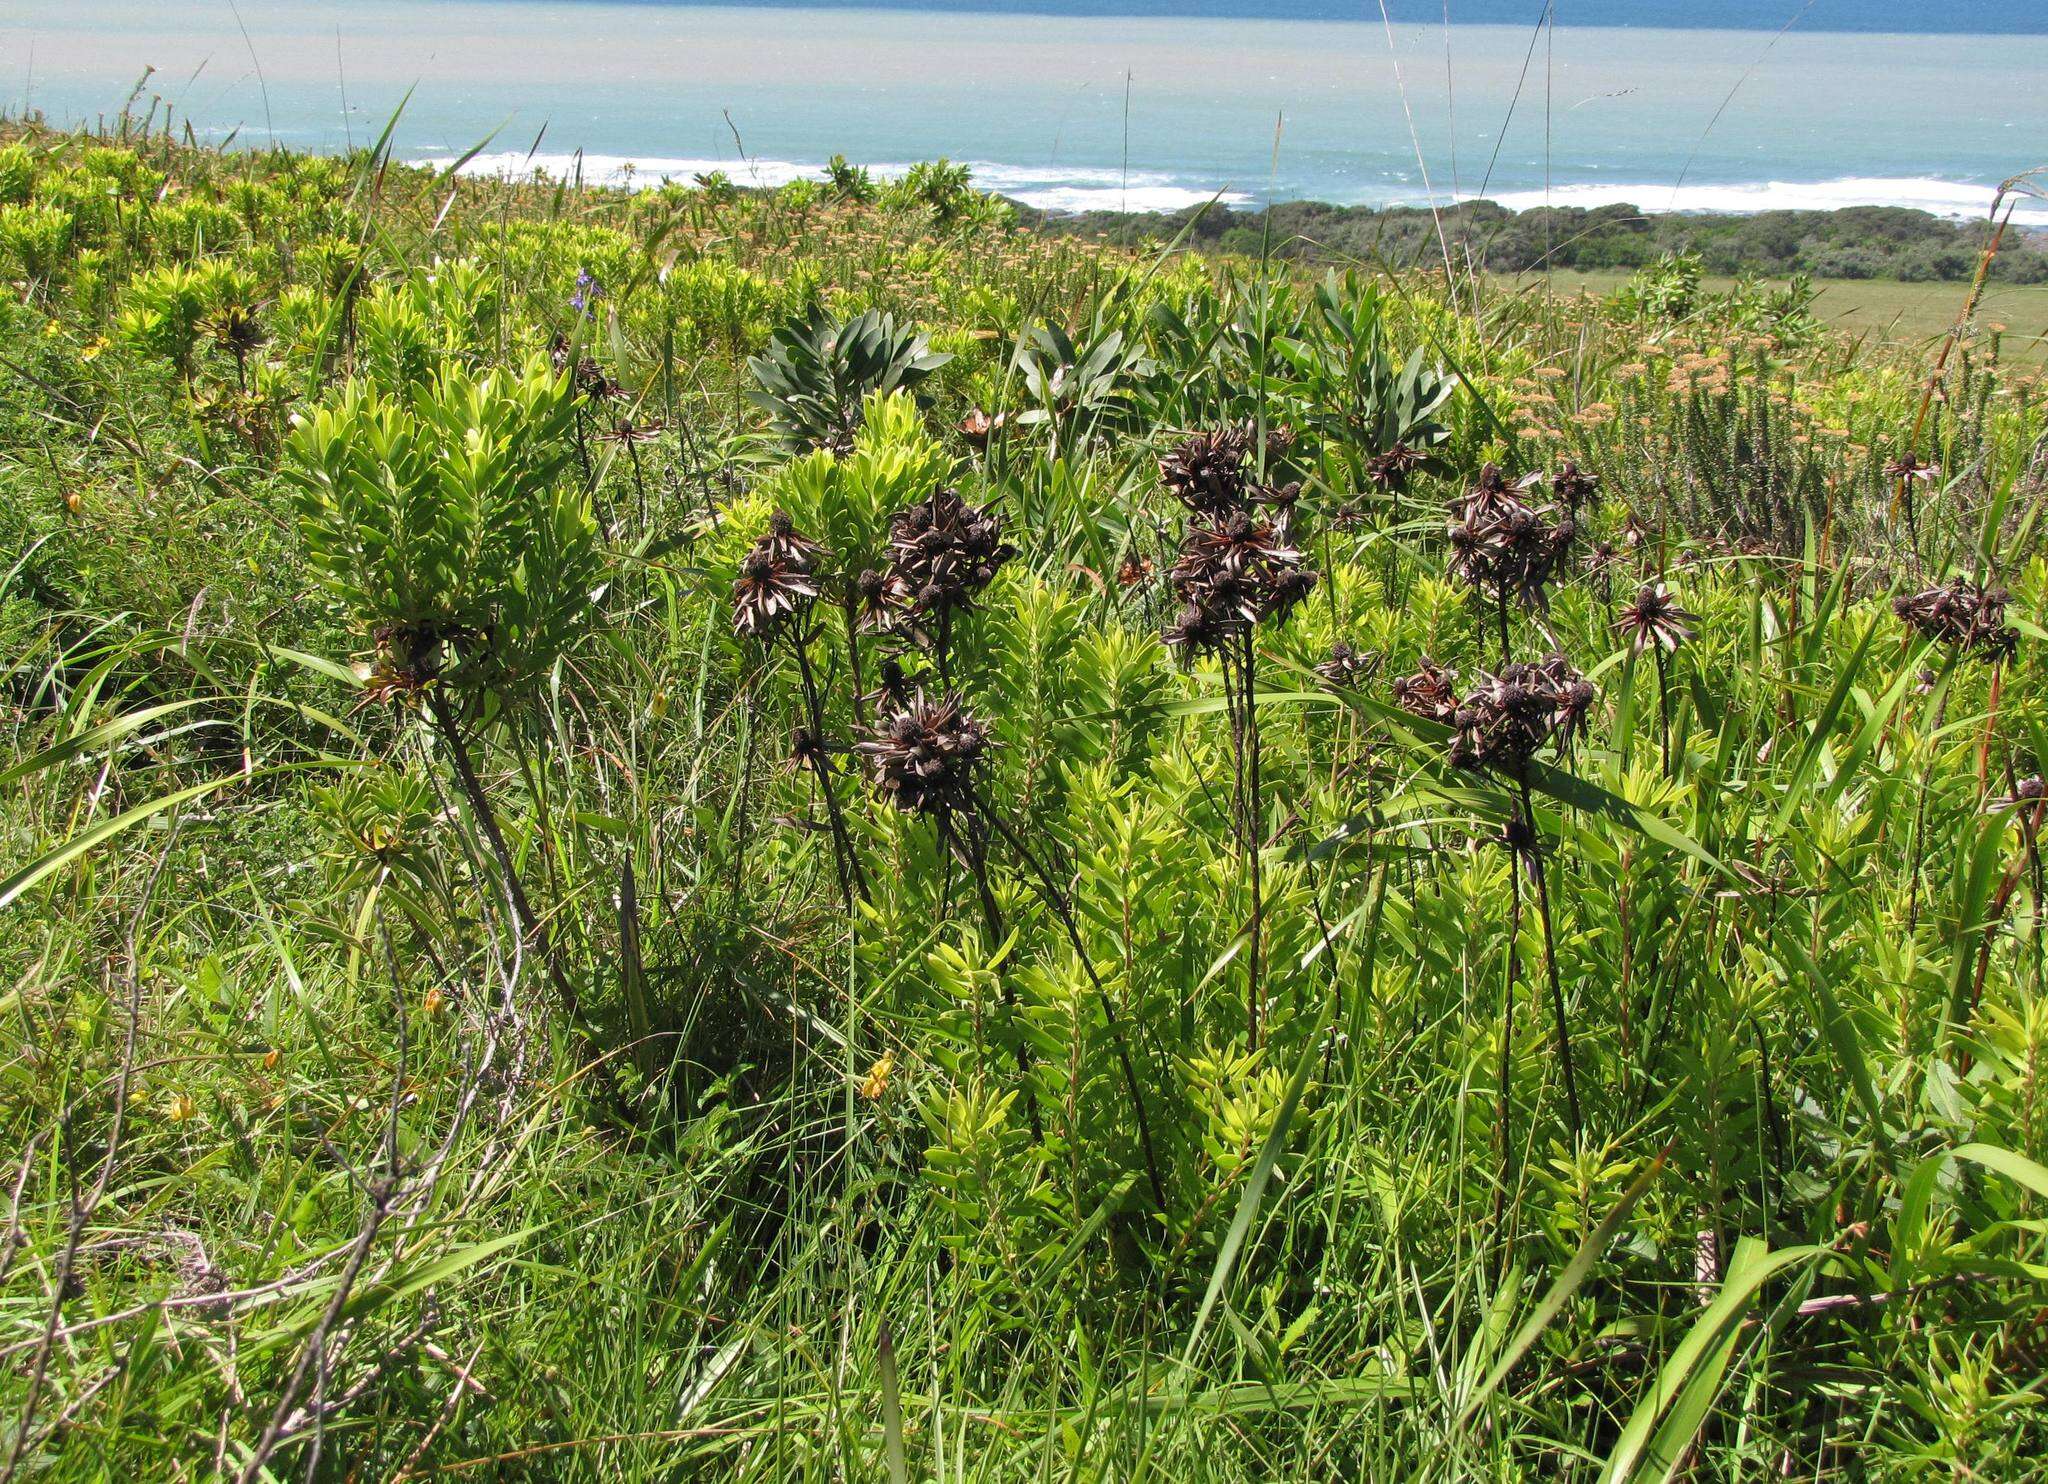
[1909, 317]
[806, 835]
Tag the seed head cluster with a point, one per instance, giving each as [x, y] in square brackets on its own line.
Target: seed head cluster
[942, 552]
[1963, 616]
[1504, 546]
[925, 756]
[775, 582]
[1232, 574]
[1238, 563]
[1206, 471]
[1507, 718]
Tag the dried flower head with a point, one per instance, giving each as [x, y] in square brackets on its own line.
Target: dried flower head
[1233, 573]
[2028, 793]
[1509, 717]
[926, 755]
[1503, 546]
[1655, 619]
[1963, 616]
[1430, 693]
[1573, 485]
[1391, 470]
[775, 582]
[895, 687]
[590, 378]
[1206, 471]
[1346, 666]
[978, 426]
[627, 432]
[942, 552]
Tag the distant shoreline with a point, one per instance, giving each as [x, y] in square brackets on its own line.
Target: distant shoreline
[1897, 243]
[1089, 190]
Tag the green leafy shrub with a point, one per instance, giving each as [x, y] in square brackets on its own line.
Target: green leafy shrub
[34, 240]
[816, 374]
[436, 517]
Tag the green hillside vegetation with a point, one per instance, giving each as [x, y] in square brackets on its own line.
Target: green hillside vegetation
[1857, 242]
[814, 835]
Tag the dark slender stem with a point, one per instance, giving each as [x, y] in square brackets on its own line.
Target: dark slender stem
[1253, 828]
[1502, 1104]
[973, 850]
[852, 617]
[528, 924]
[852, 883]
[1060, 909]
[1771, 1119]
[639, 481]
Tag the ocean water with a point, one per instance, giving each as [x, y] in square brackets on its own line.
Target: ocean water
[1072, 104]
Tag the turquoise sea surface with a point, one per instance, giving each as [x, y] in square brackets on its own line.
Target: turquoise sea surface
[1145, 104]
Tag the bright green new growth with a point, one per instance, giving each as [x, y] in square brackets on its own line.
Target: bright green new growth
[441, 519]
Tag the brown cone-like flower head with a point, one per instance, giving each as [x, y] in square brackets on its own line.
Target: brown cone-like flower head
[1504, 546]
[775, 582]
[1963, 616]
[1233, 573]
[1573, 485]
[926, 755]
[942, 552]
[1346, 666]
[1429, 693]
[1391, 470]
[1509, 717]
[1911, 466]
[1206, 471]
[1655, 619]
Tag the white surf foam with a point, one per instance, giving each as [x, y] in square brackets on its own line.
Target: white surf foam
[1050, 188]
[1096, 188]
[1940, 197]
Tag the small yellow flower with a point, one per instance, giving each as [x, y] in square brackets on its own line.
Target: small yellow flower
[181, 1109]
[436, 1002]
[877, 1081]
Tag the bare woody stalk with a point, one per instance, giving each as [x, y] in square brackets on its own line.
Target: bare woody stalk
[1253, 830]
[529, 924]
[853, 884]
[1531, 849]
[973, 853]
[82, 1209]
[1238, 567]
[1499, 727]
